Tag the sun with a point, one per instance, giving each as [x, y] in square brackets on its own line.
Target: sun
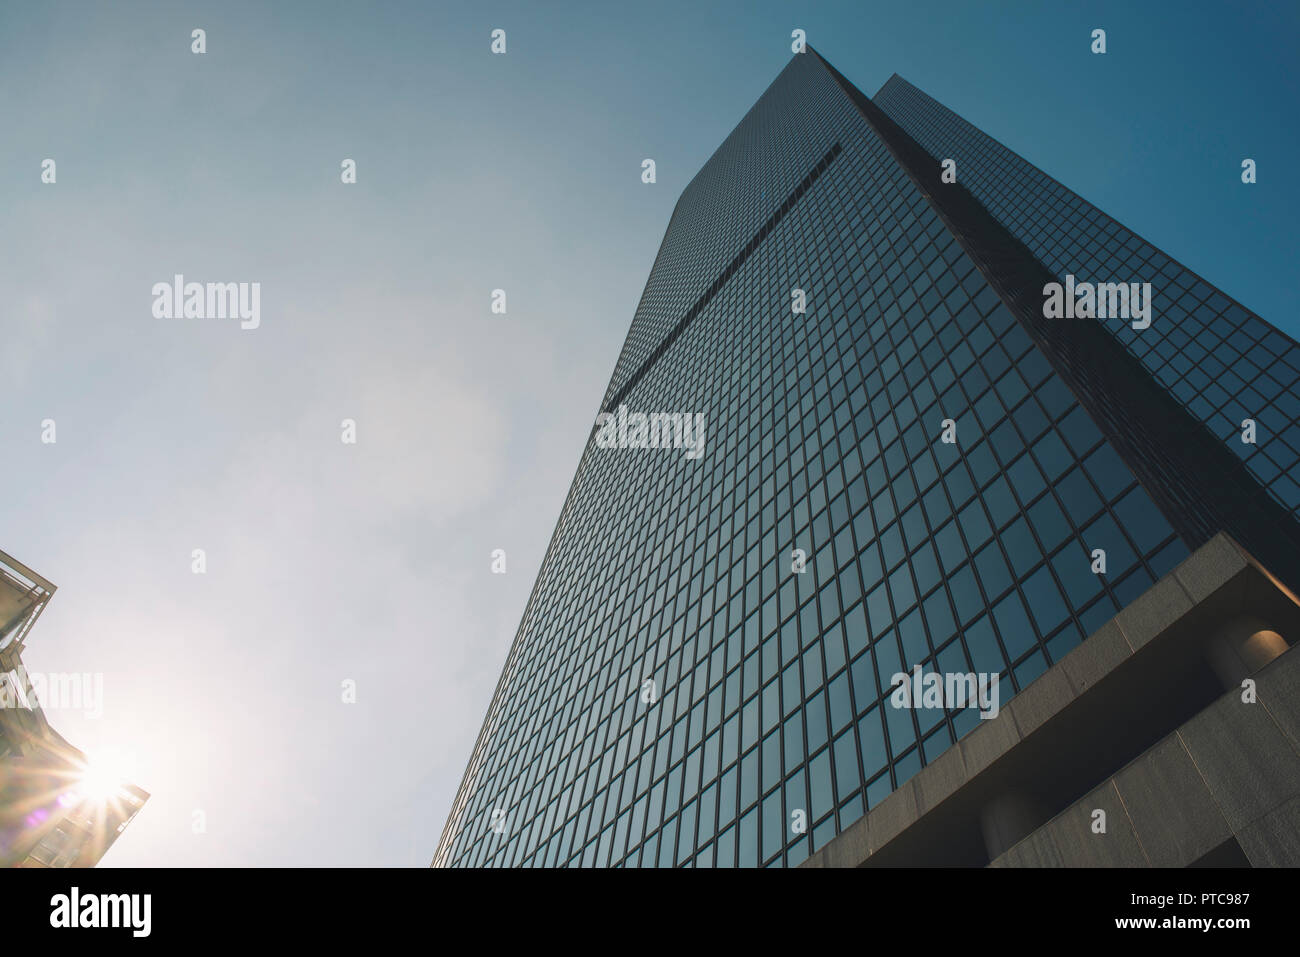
[102, 777]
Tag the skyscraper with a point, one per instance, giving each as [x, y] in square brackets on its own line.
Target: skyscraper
[847, 456]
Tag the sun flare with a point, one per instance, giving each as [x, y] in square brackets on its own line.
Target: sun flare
[102, 777]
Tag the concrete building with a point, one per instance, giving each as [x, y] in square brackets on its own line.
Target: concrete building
[54, 811]
[1170, 738]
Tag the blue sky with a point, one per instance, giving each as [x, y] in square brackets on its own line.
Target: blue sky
[371, 562]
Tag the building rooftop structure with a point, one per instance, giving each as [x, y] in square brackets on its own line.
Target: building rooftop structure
[55, 811]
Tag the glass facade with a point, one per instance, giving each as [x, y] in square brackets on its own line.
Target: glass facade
[1221, 361]
[678, 694]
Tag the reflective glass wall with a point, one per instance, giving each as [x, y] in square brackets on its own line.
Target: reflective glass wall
[678, 692]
